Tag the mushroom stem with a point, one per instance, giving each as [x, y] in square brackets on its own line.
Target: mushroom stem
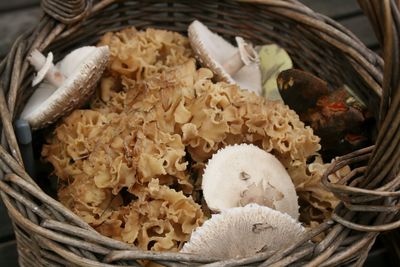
[233, 64]
[45, 69]
[245, 55]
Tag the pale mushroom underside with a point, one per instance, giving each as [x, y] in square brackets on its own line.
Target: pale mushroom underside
[213, 51]
[48, 103]
[242, 232]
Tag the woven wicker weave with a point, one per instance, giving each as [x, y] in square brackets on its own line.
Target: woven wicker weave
[50, 235]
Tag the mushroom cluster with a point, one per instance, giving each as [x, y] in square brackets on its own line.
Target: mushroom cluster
[119, 171]
[131, 165]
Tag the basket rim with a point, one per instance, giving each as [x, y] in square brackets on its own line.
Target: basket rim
[16, 175]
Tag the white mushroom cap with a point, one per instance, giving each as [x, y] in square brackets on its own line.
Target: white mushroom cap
[241, 174]
[273, 60]
[243, 232]
[235, 65]
[79, 73]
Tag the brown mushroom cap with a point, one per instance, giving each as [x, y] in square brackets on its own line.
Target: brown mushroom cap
[300, 90]
[49, 103]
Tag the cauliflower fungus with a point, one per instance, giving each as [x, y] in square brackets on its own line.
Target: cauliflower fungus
[128, 165]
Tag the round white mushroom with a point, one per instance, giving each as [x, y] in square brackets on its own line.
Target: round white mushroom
[235, 65]
[66, 86]
[243, 232]
[241, 174]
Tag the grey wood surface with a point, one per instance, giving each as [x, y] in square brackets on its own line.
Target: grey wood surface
[5, 224]
[7, 5]
[8, 254]
[14, 22]
[18, 15]
[334, 8]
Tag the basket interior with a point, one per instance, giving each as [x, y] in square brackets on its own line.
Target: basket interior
[257, 23]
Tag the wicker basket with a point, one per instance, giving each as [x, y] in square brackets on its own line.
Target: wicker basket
[50, 235]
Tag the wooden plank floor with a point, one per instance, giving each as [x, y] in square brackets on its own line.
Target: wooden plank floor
[16, 16]
[19, 15]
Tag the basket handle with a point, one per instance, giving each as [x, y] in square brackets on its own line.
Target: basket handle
[66, 11]
[385, 18]
[382, 177]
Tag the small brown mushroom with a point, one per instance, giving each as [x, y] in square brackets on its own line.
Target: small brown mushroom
[300, 90]
[338, 117]
[236, 65]
[341, 126]
[67, 85]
